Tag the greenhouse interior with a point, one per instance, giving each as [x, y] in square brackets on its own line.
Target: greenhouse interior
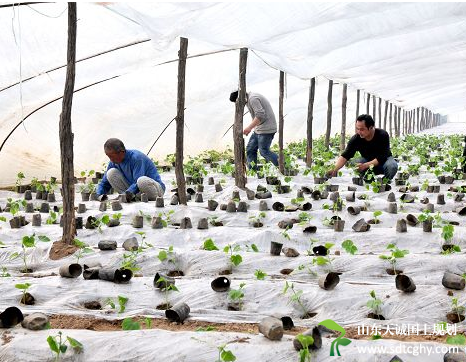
[328, 140]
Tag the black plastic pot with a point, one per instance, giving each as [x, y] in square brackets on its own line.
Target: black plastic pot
[404, 283]
[220, 284]
[118, 276]
[72, 270]
[271, 328]
[10, 317]
[275, 248]
[178, 313]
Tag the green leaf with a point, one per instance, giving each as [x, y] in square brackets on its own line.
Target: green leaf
[2, 218]
[76, 345]
[130, 325]
[209, 245]
[254, 248]
[24, 286]
[52, 344]
[227, 356]
[236, 259]
[43, 238]
[162, 255]
[28, 241]
[226, 249]
[105, 219]
[459, 339]
[63, 348]
[376, 337]
[305, 341]
[122, 302]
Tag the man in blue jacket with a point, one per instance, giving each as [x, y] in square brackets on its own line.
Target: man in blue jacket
[129, 172]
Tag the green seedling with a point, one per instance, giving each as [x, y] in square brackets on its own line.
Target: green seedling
[395, 254]
[374, 304]
[19, 179]
[52, 219]
[169, 287]
[251, 248]
[4, 272]
[59, 346]
[324, 260]
[294, 296]
[297, 201]
[28, 242]
[457, 309]
[237, 295]
[376, 216]
[168, 255]
[83, 248]
[145, 216]
[257, 219]
[166, 217]
[225, 355]
[285, 234]
[349, 246]
[15, 205]
[306, 341]
[209, 245]
[24, 287]
[459, 340]
[235, 259]
[122, 303]
[260, 275]
[304, 217]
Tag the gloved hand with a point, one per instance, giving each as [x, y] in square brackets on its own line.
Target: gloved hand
[102, 197]
[129, 196]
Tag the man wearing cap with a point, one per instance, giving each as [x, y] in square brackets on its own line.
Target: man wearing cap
[374, 146]
[263, 126]
[129, 172]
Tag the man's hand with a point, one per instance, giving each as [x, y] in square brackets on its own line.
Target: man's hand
[331, 173]
[102, 197]
[362, 167]
[129, 196]
[246, 131]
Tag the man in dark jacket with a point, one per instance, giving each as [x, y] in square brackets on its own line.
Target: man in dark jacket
[374, 146]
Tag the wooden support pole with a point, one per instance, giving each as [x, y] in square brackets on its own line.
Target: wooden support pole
[385, 116]
[399, 121]
[390, 121]
[395, 121]
[380, 112]
[344, 99]
[368, 101]
[179, 173]
[66, 133]
[329, 113]
[358, 96]
[417, 119]
[374, 104]
[281, 91]
[238, 140]
[310, 117]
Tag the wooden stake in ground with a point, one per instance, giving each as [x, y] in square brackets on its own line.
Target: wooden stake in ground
[343, 117]
[395, 121]
[66, 134]
[180, 180]
[310, 116]
[368, 102]
[385, 116]
[390, 121]
[358, 94]
[238, 140]
[373, 109]
[329, 113]
[281, 87]
[380, 112]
